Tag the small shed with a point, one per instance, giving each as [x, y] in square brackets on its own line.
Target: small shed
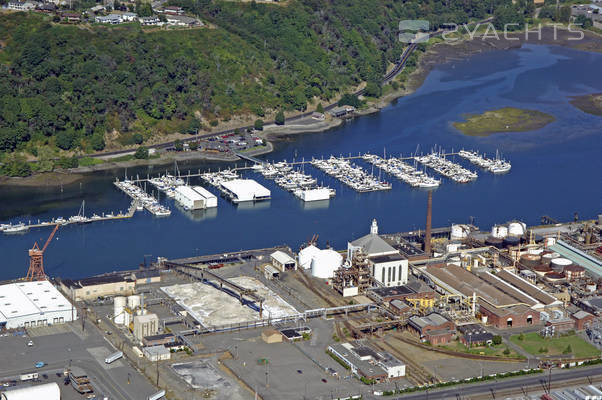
[283, 261]
[271, 336]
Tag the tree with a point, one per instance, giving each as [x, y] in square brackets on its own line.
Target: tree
[194, 126]
[521, 337]
[98, 141]
[193, 146]
[373, 89]
[568, 350]
[497, 340]
[178, 145]
[280, 118]
[141, 153]
[320, 108]
[583, 22]
[349, 100]
[506, 351]
[65, 140]
[137, 138]
[258, 125]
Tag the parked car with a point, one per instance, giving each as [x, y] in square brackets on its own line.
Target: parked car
[40, 364]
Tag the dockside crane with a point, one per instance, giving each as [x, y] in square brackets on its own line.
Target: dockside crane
[36, 259]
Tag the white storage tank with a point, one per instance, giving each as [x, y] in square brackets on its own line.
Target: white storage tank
[118, 310]
[306, 255]
[559, 264]
[516, 228]
[459, 231]
[325, 263]
[133, 302]
[499, 231]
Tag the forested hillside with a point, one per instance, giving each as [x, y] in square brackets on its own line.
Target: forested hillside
[67, 86]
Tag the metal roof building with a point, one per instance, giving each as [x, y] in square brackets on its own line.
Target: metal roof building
[26, 304]
[47, 391]
[194, 198]
[241, 190]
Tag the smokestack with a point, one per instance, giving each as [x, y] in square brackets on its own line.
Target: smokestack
[429, 215]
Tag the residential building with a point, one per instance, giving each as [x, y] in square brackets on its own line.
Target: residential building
[111, 19]
[148, 21]
[21, 6]
[182, 20]
[129, 16]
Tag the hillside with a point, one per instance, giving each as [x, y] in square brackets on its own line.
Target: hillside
[76, 87]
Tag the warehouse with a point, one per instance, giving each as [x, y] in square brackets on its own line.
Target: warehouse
[99, 286]
[195, 197]
[47, 391]
[27, 304]
[241, 190]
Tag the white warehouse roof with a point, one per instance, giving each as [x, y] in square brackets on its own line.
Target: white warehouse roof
[190, 192]
[31, 301]
[246, 190]
[204, 192]
[282, 257]
[47, 391]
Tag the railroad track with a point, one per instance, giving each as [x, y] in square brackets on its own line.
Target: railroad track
[414, 372]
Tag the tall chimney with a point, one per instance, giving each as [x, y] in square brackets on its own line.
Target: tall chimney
[429, 215]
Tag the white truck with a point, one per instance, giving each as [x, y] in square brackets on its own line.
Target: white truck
[113, 357]
[29, 377]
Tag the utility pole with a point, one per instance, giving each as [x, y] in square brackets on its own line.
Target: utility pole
[267, 383]
[157, 363]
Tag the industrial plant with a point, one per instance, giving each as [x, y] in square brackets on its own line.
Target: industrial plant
[391, 312]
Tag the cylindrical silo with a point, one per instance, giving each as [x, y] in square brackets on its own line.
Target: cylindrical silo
[118, 310]
[325, 263]
[530, 260]
[516, 229]
[133, 302]
[559, 264]
[499, 231]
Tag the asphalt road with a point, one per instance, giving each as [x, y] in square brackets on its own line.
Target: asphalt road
[492, 387]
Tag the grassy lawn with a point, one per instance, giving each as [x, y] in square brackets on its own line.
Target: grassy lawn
[533, 342]
[89, 161]
[508, 119]
[496, 351]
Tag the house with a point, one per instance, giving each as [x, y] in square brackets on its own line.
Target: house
[148, 21]
[21, 6]
[129, 16]
[47, 7]
[283, 261]
[475, 335]
[582, 319]
[389, 267]
[318, 116]
[111, 19]
[97, 9]
[173, 10]
[342, 111]
[71, 17]
[182, 20]
[433, 328]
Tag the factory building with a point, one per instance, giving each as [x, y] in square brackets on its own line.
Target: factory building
[97, 286]
[145, 325]
[389, 267]
[195, 197]
[504, 300]
[47, 391]
[433, 328]
[241, 190]
[29, 304]
[156, 353]
[367, 363]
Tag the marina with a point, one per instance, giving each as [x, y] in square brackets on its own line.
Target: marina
[495, 166]
[448, 169]
[302, 185]
[403, 171]
[142, 198]
[350, 174]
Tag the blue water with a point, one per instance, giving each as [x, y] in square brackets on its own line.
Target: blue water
[556, 172]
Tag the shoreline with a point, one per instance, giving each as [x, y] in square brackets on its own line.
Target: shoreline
[439, 54]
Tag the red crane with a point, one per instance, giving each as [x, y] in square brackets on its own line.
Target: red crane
[36, 259]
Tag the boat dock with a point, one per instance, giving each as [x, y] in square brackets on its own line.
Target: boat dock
[142, 199]
[403, 171]
[351, 175]
[76, 219]
[448, 169]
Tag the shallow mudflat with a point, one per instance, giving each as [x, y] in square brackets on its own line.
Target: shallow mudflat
[590, 103]
[507, 119]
